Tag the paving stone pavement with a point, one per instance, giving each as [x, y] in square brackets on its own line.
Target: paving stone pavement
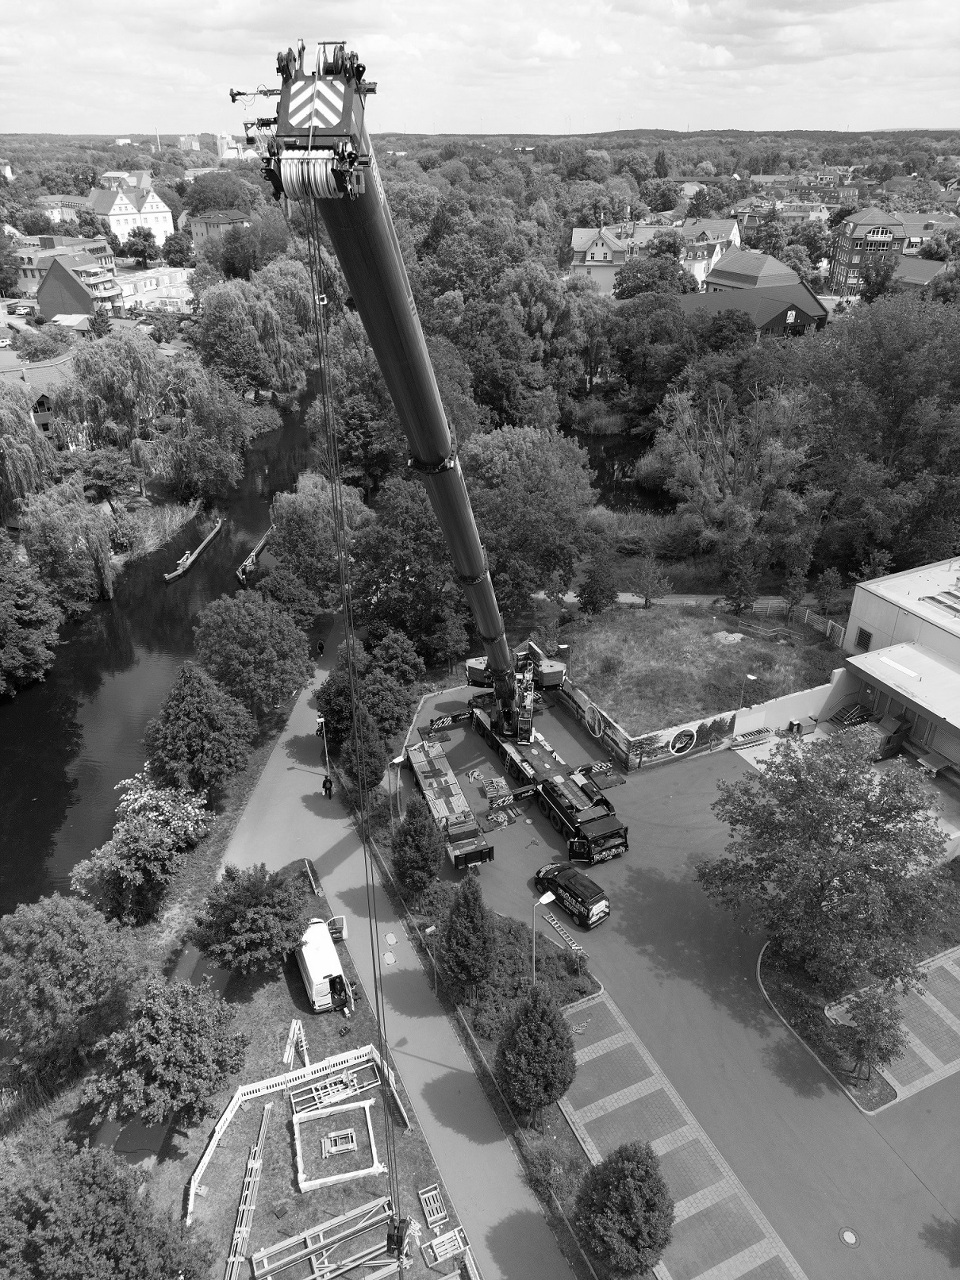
[620, 1094]
[931, 1019]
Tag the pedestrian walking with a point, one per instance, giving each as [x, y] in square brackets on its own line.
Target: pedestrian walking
[327, 788]
[319, 648]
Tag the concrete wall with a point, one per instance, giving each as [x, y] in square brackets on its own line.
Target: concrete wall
[816, 704]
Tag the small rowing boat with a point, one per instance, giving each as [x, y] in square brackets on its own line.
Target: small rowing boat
[250, 563]
[187, 559]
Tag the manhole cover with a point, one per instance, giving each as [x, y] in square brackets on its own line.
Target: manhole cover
[849, 1238]
[389, 958]
[391, 940]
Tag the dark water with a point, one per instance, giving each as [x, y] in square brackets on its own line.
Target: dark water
[613, 459]
[66, 743]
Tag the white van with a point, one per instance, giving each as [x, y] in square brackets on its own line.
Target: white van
[321, 969]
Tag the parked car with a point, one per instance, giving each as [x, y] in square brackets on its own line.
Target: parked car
[581, 897]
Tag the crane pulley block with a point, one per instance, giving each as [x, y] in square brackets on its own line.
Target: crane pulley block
[322, 103]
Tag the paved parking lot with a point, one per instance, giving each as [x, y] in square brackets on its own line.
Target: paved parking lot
[683, 974]
[621, 1095]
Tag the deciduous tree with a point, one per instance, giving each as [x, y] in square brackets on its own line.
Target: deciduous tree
[178, 1049]
[417, 848]
[598, 590]
[254, 649]
[624, 1212]
[364, 754]
[29, 621]
[535, 1062]
[202, 736]
[26, 455]
[82, 1212]
[650, 580]
[831, 859]
[878, 1033]
[252, 919]
[65, 976]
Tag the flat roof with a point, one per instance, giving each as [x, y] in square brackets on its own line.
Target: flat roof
[918, 674]
[917, 590]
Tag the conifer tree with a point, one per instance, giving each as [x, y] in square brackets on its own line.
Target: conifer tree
[535, 1062]
[624, 1212]
[417, 848]
[469, 942]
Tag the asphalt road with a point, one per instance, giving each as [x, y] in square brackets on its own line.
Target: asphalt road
[684, 976]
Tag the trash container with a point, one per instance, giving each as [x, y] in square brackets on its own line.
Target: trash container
[795, 727]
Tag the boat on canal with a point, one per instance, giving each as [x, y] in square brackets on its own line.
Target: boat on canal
[250, 563]
[187, 559]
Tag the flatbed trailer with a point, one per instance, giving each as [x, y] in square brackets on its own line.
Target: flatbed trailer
[466, 844]
[573, 802]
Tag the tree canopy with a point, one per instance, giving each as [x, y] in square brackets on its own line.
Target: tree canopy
[65, 979]
[29, 621]
[469, 938]
[624, 1212]
[76, 1213]
[831, 859]
[202, 735]
[417, 848]
[535, 1062]
[253, 649]
[176, 1051]
[252, 919]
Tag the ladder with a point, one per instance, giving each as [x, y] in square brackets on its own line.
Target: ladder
[568, 937]
[248, 1201]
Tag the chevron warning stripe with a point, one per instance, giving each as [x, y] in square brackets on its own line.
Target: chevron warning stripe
[315, 102]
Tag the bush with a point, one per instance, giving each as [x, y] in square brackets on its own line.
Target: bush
[624, 1212]
[252, 920]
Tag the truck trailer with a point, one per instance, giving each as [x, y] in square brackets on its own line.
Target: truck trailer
[466, 844]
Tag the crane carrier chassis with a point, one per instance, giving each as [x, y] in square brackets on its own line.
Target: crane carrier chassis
[576, 806]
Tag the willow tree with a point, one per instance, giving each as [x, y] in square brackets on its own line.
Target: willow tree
[116, 387]
[26, 455]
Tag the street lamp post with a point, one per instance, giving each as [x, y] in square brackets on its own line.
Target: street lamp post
[539, 902]
[395, 763]
[428, 933]
[322, 733]
[743, 686]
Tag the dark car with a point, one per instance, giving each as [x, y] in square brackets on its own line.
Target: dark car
[581, 897]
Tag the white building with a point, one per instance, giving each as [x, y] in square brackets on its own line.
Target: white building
[903, 642]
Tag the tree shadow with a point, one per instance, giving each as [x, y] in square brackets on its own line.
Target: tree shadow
[670, 922]
[943, 1236]
[793, 1065]
[517, 1244]
[407, 992]
[305, 749]
[456, 1101]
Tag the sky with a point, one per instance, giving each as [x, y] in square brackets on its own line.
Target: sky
[491, 66]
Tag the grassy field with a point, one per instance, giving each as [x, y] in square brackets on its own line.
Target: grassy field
[264, 1010]
[653, 668]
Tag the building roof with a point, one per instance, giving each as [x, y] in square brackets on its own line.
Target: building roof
[874, 217]
[581, 238]
[930, 591]
[918, 674]
[43, 377]
[716, 228]
[918, 271]
[761, 305]
[916, 224]
[746, 269]
[223, 216]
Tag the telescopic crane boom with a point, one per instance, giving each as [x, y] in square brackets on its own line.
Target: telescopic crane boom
[321, 153]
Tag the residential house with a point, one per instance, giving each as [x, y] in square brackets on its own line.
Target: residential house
[213, 225]
[793, 213]
[191, 175]
[35, 254]
[786, 310]
[66, 208]
[41, 379]
[701, 256]
[903, 646]
[749, 269]
[122, 142]
[867, 234]
[725, 231]
[126, 207]
[597, 253]
[159, 288]
[77, 284]
[113, 179]
[921, 227]
[917, 273]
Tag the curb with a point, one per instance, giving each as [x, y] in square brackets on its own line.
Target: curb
[813, 1053]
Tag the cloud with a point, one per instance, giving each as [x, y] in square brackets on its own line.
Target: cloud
[493, 64]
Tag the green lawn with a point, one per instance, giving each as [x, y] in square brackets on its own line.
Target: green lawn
[654, 668]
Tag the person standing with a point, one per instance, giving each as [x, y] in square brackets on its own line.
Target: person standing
[327, 788]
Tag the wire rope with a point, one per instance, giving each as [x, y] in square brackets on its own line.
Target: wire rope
[335, 478]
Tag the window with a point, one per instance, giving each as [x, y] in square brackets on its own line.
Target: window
[858, 244]
[604, 257]
[864, 638]
[856, 257]
[592, 256]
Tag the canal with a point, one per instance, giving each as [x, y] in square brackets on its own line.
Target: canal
[65, 743]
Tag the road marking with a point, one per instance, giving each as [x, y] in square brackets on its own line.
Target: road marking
[727, 1187]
